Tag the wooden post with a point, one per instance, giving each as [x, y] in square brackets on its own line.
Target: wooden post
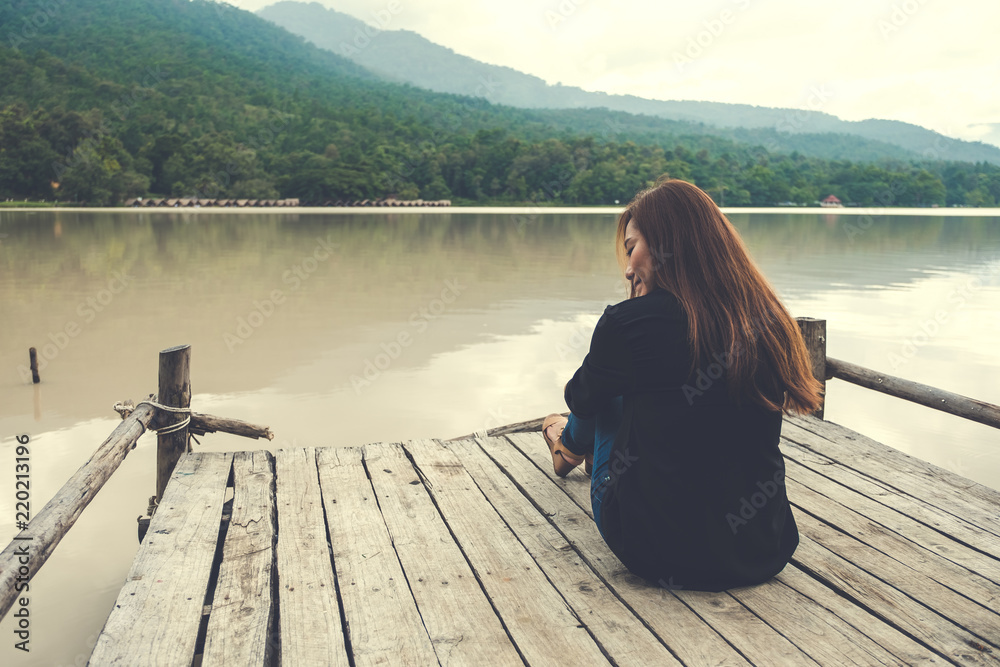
[175, 391]
[33, 360]
[814, 334]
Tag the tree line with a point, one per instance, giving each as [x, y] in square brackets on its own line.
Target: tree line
[66, 156]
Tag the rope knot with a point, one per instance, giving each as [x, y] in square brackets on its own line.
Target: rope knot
[125, 408]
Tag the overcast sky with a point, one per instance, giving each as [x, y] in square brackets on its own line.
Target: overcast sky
[929, 62]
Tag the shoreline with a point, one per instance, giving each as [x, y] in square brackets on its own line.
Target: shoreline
[511, 210]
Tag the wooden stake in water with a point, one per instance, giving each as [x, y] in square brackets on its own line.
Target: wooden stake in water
[33, 357]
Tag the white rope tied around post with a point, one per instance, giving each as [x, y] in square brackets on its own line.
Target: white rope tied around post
[126, 408]
[173, 427]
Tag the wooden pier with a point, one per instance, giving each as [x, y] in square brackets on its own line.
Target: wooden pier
[472, 552]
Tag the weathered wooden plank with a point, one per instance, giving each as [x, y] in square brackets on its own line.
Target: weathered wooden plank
[935, 529]
[902, 647]
[382, 618]
[949, 525]
[934, 555]
[726, 613]
[536, 616]
[822, 635]
[310, 624]
[576, 484]
[750, 628]
[689, 637]
[897, 572]
[769, 602]
[623, 636]
[462, 625]
[243, 609]
[922, 480]
[749, 633]
[156, 617]
[887, 602]
[573, 490]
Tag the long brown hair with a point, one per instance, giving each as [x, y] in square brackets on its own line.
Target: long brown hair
[731, 308]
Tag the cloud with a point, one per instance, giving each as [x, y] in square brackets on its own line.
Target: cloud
[986, 132]
[921, 61]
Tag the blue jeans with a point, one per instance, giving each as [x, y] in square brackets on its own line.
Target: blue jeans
[583, 436]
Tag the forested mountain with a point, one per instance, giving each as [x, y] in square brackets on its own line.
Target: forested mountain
[101, 100]
[405, 56]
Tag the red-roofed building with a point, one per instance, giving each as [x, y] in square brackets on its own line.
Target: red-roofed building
[831, 202]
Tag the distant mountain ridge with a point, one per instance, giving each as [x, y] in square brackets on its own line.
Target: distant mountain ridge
[404, 56]
[114, 100]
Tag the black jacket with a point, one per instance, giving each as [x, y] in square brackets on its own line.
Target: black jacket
[697, 495]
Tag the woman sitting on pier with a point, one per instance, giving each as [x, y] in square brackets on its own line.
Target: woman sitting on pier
[677, 407]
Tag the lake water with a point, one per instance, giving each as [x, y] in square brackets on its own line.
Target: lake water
[342, 328]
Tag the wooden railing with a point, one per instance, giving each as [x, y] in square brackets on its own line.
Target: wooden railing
[826, 368]
[30, 548]
[932, 397]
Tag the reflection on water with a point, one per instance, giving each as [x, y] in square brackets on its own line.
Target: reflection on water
[341, 329]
